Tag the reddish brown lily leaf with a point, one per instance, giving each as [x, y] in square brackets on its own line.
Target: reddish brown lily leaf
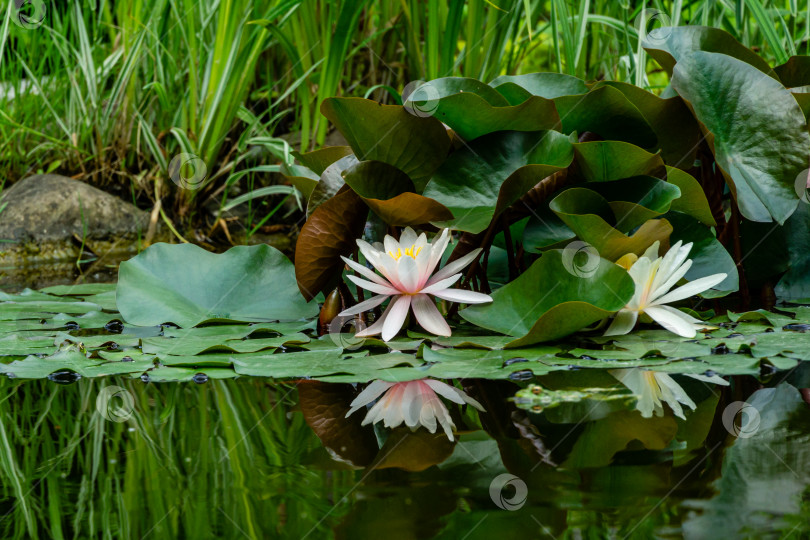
[409, 209]
[325, 406]
[389, 193]
[413, 450]
[329, 232]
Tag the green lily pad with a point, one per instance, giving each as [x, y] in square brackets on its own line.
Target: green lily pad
[486, 176]
[187, 285]
[389, 133]
[591, 217]
[672, 44]
[518, 88]
[608, 113]
[554, 298]
[762, 156]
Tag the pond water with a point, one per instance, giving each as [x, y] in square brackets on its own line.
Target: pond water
[119, 457]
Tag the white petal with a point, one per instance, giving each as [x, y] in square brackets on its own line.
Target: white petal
[652, 252]
[369, 252]
[639, 382]
[411, 404]
[391, 245]
[624, 321]
[408, 273]
[428, 316]
[660, 288]
[377, 327]
[674, 321]
[716, 379]
[455, 266]
[439, 285]
[396, 317]
[462, 296]
[676, 391]
[427, 416]
[371, 303]
[373, 287]
[371, 392]
[437, 249]
[362, 270]
[692, 288]
[407, 238]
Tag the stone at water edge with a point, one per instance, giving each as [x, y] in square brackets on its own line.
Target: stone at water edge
[43, 221]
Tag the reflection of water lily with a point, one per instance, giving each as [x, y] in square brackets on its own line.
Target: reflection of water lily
[654, 277]
[406, 267]
[653, 387]
[413, 402]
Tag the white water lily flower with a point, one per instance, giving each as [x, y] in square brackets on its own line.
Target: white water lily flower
[654, 277]
[406, 267]
[653, 388]
[413, 402]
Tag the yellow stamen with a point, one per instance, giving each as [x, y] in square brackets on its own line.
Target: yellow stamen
[412, 252]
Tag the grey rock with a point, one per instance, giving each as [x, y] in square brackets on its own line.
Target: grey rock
[44, 216]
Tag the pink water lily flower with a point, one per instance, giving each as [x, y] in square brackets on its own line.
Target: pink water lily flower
[407, 278]
[413, 402]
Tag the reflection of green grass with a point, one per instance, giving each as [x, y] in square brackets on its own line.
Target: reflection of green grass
[193, 461]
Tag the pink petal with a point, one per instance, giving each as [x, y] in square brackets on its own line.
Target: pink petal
[373, 287]
[408, 273]
[428, 316]
[371, 303]
[396, 317]
[371, 392]
[455, 266]
[377, 327]
[439, 285]
[462, 296]
[362, 270]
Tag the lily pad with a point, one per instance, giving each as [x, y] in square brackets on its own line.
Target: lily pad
[494, 171]
[554, 298]
[389, 133]
[518, 88]
[188, 285]
[756, 128]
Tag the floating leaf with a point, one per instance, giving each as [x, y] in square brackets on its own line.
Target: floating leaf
[550, 300]
[188, 285]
